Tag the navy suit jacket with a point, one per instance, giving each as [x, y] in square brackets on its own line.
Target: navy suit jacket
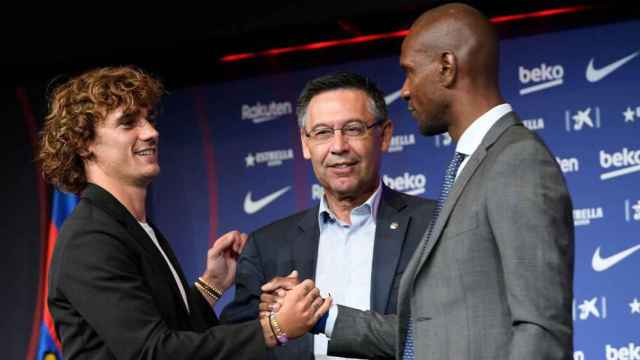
[292, 244]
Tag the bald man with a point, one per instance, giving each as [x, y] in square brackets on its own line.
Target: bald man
[492, 278]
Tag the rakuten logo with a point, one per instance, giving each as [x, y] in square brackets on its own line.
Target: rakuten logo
[631, 352]
[408, 183]
[260, 112]
[627, 160]
[543, 77]
[568, 165]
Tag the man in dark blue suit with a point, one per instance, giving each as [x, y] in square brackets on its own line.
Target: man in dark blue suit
[357, 242]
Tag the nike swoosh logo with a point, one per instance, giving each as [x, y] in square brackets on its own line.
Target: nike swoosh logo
[601, 264]
[594, 75]
[252, 207]
[392, 97]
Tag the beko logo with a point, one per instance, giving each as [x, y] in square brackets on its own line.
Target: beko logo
[408, 183]
[260, 112]
[542, 77]
[627, 160]
[630, 352]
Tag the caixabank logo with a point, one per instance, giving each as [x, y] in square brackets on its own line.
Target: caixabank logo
[582, 119]
[442, 140]
[594, 308]
[619, 163]
[632, 211]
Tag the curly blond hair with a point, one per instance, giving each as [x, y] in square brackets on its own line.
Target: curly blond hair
[77, 106]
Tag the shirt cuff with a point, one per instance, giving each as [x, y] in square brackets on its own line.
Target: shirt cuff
[331, 320]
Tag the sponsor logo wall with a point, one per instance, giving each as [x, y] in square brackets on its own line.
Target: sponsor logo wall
[231, 159]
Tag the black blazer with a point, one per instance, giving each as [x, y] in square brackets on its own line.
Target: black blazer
[112, 295]
[292, 243]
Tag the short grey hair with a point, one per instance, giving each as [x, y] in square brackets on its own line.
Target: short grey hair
[341, 81]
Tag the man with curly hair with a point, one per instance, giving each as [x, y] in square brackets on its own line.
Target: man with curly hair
[116, 290]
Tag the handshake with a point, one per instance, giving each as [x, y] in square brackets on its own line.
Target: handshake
[290, 308]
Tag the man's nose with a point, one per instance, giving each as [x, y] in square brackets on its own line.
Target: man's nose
[148, 131]
[339, 142]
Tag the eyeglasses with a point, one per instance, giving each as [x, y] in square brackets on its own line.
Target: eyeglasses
[352, 129]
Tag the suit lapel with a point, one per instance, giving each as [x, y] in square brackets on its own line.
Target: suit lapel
[389, 241]
[470, 168]
[107, 202]
[305, 239]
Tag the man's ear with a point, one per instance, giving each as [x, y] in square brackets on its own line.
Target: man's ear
[448, 68]
[86, 152]
[387, 134]
[305, 147]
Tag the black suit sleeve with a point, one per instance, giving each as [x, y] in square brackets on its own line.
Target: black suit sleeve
[97, 293]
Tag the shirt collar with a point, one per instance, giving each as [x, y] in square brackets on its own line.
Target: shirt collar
[370, 207]
[473, 135]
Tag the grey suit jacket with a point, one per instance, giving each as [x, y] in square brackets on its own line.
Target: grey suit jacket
[292, 243]
[495, 279]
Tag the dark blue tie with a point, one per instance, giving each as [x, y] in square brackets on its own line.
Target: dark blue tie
[449, 179]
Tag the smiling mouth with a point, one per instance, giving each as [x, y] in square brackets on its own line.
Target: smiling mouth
[343, 165]
[145, 152]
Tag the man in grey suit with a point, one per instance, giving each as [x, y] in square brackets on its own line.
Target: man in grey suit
[492, 277]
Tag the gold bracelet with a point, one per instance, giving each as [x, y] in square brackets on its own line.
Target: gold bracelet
[206, 291]
[281, 336]
[217, 292]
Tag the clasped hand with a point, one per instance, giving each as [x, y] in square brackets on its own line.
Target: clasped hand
[298, 305]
